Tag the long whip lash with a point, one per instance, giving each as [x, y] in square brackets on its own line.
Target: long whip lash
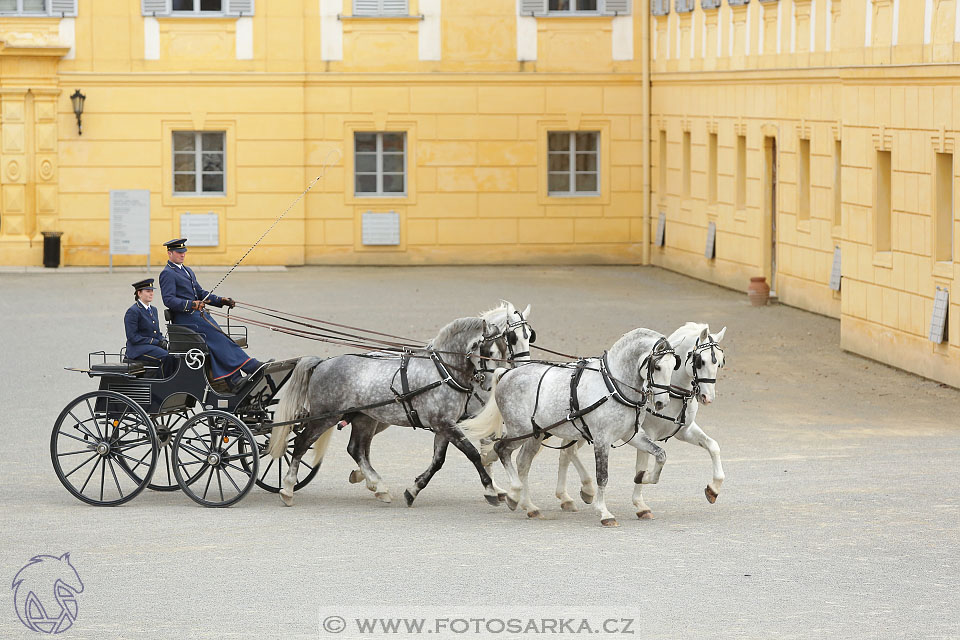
[323, 172]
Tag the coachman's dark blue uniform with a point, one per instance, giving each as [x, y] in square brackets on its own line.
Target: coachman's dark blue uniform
[179, 288]
[144, 340]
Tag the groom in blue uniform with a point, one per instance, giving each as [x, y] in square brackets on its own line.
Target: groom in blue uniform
[144, 340]
[185, 298]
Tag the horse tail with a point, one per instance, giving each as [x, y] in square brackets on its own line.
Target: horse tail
[294, 404]
[319, 447]
[489, 421]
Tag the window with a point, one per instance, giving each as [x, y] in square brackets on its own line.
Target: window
[803, 180]
[687, 169]
[685, 6]
[380, 8]
[26, 7]
[380, 166]
[572, 5]
[882, 212]
[943, 224]
[741, 172]
[573, 163]
[712, 178]
[198, 163]
[837, 183]
[710, 4]
[662, 164]
[659, 7]
[198, 6]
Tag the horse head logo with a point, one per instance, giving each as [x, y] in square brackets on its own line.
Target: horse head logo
[45, 594]
[194, 358]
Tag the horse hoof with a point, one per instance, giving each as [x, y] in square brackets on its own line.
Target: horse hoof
[535, 515]
[586, 497]
[512, 503]
[502, 497]
[383, 496]
[494, 500]
[638, 479]
[287, 498]
[356, 476]
[409, 497]
[646, 514]
[610, 522]
[711, 494]
[568, 506]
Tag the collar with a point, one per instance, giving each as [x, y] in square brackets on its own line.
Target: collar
[145, 306]
[174, 264]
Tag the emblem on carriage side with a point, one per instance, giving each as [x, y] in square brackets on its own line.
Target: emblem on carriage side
[45, 593]
[194, 358]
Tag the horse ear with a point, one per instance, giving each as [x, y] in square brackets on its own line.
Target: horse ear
[705, 334]
[719, 336]
[526, 312]
[66, 556]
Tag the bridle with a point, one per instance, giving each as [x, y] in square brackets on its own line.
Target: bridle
[651, 362]
[696, 356]
[509, 332]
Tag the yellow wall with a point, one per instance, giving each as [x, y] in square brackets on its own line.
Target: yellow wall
[861, 84]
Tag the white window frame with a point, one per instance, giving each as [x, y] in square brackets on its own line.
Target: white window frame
[196, 10]
[381, 12]
[198, 166]
[572, 166]
[380, 193]
[577, 12]
[20, 12]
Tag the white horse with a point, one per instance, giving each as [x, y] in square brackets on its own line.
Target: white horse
[694, 384]
[600, 399]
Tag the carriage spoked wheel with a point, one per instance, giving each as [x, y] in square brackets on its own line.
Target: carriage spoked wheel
[273, 469]
[104, 448]
[215, 459]
[167, 426]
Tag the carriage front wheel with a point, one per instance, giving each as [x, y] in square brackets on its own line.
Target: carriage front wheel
[104, 448]
[215, 459]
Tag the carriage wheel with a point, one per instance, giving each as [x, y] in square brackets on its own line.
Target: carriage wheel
[272, 469]
[167, 426]
[214, 459]
[104, 448]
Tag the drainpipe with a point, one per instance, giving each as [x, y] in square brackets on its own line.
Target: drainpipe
[645, 98]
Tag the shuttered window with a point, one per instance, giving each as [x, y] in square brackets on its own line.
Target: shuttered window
[195, 7]
[380, 8]
[379, 164]
[38, 7]
[573, 163]
[198, 163]
[685, 6]
[710, 4]
[544, 7]
[659, 7]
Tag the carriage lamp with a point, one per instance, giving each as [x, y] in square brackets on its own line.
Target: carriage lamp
[77, 99]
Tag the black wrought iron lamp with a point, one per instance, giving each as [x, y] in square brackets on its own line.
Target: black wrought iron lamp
[77, 99]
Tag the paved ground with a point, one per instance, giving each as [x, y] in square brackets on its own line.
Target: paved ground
[840, 514]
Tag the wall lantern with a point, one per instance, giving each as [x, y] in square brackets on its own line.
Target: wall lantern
[77, 99]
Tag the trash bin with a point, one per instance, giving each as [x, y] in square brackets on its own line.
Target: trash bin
[51, 249]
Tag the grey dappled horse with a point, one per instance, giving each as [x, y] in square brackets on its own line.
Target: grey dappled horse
[542, 393]
[339, 387]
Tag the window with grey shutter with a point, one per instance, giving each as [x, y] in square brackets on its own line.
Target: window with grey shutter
[738, 3]
[619, 7]
[63, 7]
[155, 7]
[380, 8]
[684, 6]
[38, 7]
[240, 7]
[536, 7]
[710, 4]
[659, 7]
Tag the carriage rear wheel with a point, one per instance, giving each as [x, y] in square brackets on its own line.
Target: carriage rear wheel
[272, 470]
[167, 426]
[104, 448]
[215, 459]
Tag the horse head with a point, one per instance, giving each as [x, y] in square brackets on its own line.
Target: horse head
[703, 363]
[44, 593]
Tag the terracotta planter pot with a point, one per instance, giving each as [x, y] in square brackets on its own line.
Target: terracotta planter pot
[758, 291]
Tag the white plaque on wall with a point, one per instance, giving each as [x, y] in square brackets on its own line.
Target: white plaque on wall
[200, 229]
[835, 273]
[129, 222]
[938, 319]
[661, 229]
[381, 228]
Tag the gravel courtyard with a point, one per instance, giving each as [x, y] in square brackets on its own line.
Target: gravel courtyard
[839, 516]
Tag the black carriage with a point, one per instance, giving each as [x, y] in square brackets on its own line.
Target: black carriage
[141, 429]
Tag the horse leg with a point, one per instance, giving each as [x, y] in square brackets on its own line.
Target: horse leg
[643, 511]
[461, 442]
[528, 452]
[356, 476]
[601, 452]
[311, 431]
[505, 453]
[644, 444]
[440, 443]
[364, 428]
[566, 502]
[489, 456]
[695, 435]
[588, 488]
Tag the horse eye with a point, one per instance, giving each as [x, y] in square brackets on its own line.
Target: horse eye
[656, 368]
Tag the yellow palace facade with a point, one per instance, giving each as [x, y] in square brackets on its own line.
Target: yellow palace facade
[724, 139]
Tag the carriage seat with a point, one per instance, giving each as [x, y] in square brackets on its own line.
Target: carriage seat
[182, 339]
[127, 367]
[240, 340]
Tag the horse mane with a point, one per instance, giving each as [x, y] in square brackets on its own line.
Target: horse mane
[505, 307]
[447, 339]
[689, 329]
[636, 335]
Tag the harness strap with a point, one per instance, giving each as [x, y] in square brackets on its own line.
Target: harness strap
[575, 402]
